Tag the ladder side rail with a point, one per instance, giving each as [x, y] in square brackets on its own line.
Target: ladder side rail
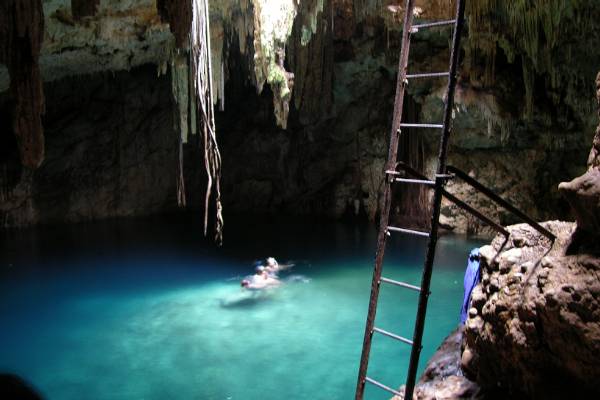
[387, 199]
[497, 227]
[494, 225]
[499, 200]
[437, 202]
[486, 191]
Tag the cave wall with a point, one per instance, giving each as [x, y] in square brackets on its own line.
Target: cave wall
[324, 161]
[110, 152]
[329, 160]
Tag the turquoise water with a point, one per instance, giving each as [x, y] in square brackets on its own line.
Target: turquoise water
[144, 310]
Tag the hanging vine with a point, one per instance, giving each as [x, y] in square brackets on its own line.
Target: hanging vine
[203, 92]
[192, 90]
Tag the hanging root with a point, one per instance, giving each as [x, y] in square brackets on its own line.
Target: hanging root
[203, 91]
[193, 97]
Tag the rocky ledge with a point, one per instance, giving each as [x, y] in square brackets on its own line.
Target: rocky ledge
[443, 378]
[534, 324]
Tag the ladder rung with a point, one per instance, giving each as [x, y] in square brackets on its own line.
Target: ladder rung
[382, 386]
[419, 181]
[427, 75]
[415, 28]
[437, 126]
[393, 336]
[402, 284]
[409, 231]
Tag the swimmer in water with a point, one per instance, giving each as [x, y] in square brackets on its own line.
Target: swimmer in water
[273, 267]
[260, 280]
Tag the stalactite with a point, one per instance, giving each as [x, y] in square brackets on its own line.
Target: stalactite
[21, 36]
[180, 91]
[272, 28]
[536, 30]
[178, 14]
[217, 37]
[309, 18]
[313, 67]
[84, 8]
[180, 79]
[193, 125]
[203, 90]
[263, 29]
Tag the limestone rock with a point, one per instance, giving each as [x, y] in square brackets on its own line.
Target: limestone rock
[535, 327]
[594, 157]
[83, 8]
[583, 193]
[443, 378]
[121, 34]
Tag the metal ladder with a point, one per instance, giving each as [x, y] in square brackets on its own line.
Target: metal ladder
[392, 176]
[443, 173]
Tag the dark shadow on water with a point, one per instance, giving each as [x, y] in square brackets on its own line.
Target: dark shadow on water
[252, 299]
[13, 387]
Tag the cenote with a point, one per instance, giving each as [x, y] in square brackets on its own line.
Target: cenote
[143, 310]
[154, 153]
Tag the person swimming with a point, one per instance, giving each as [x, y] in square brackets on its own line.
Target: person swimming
[266, 276]
[273, 267]
[260, 280]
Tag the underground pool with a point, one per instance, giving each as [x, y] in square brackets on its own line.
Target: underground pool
[144, 310]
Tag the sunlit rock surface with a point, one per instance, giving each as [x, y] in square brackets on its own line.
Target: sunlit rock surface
[122, 35]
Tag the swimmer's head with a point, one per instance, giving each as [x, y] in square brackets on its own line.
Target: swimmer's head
[260, 269]
[271, 262]
[245, 283]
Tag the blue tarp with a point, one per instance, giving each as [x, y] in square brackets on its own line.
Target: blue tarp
[471, 279]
